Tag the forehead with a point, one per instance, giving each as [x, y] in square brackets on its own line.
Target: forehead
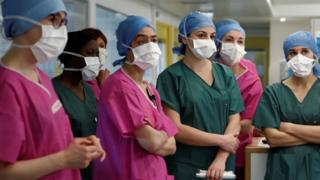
[234, 34]
[208, 30]
[146, 32]
[93, 44]
[298, 48]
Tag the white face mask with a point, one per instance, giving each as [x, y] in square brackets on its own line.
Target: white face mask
[146, 56]
[232, 53]
[51, 44]
[92, 68]
[103, 54]
[301, 65]
[203, 48]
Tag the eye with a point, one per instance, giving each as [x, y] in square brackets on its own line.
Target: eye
[305, 51]
[240, 42]
[292, 53]
[155, 40]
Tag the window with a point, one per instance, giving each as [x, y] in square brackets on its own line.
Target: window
[107, 21]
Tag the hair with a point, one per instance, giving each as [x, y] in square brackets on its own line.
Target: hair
[76, 41]
[95, 34]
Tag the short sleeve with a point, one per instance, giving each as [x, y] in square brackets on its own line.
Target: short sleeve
[167, 86]
[125, 111]
[252, 100]
[12, 132]
[236, 103]
[267, 112]
[167, 124]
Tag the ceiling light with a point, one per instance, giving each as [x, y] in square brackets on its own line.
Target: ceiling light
[283, 19]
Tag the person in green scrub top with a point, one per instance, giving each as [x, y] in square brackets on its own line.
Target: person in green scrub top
[203, 99]
[80, 60]
[288, 113]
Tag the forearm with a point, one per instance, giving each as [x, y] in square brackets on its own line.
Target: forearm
[151, 139]
[233, 127]
[34, 168]
[168, 148]
[278, 138]
[195, 137]
[308, 133]
[246, 126]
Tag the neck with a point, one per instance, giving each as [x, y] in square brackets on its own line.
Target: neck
[73, 79]
[236, 69]
[303, 81]
[134, 72]
[193, 62]
[20, 59]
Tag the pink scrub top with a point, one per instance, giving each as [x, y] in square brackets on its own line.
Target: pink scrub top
[251, 89]
[95, 88]
[33, 123]
[123, 107]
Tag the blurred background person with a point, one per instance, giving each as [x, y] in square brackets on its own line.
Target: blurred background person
[80, 61]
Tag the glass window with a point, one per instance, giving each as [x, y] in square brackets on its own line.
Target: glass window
[107, 21]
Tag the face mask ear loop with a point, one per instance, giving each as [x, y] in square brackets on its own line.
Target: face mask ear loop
[185, 32]
[73, 54]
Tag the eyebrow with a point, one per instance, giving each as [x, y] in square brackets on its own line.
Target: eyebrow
[143, 35]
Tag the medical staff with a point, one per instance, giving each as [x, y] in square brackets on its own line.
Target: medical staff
[230, 41]
[35, 135]
[80, 60]
[203, 99]
[289, 114]
[131, 123]
[102, 41]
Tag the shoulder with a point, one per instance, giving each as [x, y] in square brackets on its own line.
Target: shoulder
[223, 71]
[273, 89]
[173, 70]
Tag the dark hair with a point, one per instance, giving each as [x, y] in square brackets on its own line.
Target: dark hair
[76, 41]
[95, 34]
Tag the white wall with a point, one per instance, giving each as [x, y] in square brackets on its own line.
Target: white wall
[278, 32]
[136, 7]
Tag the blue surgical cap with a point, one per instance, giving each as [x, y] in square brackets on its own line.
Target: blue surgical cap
[191, 22]
[32, 9]
[300, 38]
[127, 31]
[224, 26]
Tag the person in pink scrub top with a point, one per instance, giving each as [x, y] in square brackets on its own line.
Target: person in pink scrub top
[131, 123]
[230, 41]
[104, 73]
[35, 135]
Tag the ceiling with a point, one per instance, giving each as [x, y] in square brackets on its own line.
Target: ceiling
[252, 14]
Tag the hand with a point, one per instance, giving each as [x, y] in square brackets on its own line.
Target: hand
[230, 143]
[80, 153]
[216, 169]
[96, 141]
[246, 127]
[258, 133]
[285, 127]
[102, 76]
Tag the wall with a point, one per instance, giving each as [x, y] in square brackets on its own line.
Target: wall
[278, 32]
[134, 7]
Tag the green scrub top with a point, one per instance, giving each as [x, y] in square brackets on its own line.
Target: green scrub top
[200, 106]
[278, 103]
[82, 114]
